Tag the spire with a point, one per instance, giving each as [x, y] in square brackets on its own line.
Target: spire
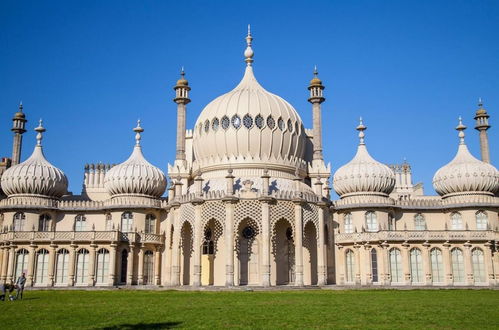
[21, 106]
[138, 130]
[361, 128]
[480, 103]
[40, 129]
[248, 53]
[460, 128]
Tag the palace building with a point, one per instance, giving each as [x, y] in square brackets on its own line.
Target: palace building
[247, 202]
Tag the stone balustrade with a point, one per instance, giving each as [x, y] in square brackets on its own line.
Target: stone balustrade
[417, 236]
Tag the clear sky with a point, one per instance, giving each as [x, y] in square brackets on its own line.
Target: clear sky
[90, 69]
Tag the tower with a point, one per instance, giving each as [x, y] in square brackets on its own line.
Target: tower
[18, 127]
[316, 98]
[482, 125]
[181, 98]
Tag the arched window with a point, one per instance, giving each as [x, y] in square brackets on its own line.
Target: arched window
[481, 220]
[457, 265]
[82, 266]
[19, 221]
[416, 266]
[419, 222]
[478, 265]
[42, 266]
[102, 266]
[80, 223]
[371, 221]
[21, 262]
[44, 222]
[348, 223]
[127, 221]
[396, 265]
[109, 221]
[148, 267]
[437, 268]
[61, 273]
[350, 266]
[374, 265]
[456, 221]
[150, 224]
[208, 244]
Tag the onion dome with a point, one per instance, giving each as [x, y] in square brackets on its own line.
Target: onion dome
[35, 176]
[363, 175]
[182, 81]
[135, 176]
[315, 80]
[249, 125]
[465, 174]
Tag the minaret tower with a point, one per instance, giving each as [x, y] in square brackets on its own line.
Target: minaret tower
[316, 98]
[181, 98]
[18, 127]
[482, 125]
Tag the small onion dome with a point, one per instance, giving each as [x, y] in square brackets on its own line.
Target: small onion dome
[315, 80]
[136, 175]
[465, 174]
[20, 114]
[363, 174]
[35, 176]
[182, 81]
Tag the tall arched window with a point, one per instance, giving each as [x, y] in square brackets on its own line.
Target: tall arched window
[396, 265]
[374, 265]
[127, 221]
[348, 223]
[42, 266]
[371, 221]
[456, 221]
[478, 265]
[80, 223]
[481, 220]
[61, 272]
[82, 266]
[102, 266]
[148, 267]
[150, 224]
[350, 266]
[419, 222]
[457, 265]
[416, 266]
[109, 221]
[437, 268]
[21, 262]
[19, 221]
[44, 222]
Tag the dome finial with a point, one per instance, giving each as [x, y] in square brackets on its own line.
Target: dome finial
[21, 106]
[40, 129]
[248, 53]
[316, 73]
[361, 128]
[461, 129]
[138, 130]
[480, 103]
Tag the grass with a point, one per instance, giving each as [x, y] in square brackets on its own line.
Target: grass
[122, 309]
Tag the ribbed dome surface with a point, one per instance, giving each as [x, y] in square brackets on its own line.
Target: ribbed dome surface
[363, 174]
[35, 176]
[464, 174]
[135, 176]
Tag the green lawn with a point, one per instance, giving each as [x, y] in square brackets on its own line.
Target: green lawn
[121, 309]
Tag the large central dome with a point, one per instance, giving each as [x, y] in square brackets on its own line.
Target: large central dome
[249, 125]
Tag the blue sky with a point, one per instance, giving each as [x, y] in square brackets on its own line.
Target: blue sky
[91, 68]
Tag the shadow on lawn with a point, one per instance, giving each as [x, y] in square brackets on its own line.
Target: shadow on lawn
[144, 326]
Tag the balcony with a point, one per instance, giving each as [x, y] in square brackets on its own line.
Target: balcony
[418, 236]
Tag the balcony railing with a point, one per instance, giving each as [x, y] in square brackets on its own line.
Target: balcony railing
[418, 236]
[80, 236]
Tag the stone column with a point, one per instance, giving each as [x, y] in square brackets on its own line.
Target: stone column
[91, 265]
[484, 146]
[383, 265]
[12, 258]
[265, 244]
[447, 264]
[198, 237]
[157, 265]
[130, 264]
[175, 277]
[298, 233]
[72, 265]
[489, 264]
[340, 265]
[229, 240]
[5, 263]
[468, 266]
[427, 264]
[321, 262]
[112, 264]
[406, 266]
[167, 256]
[356, 249]
[52, 259]
[140, 276]
[2, 255]
[31, 265]
[180, 154]
[366, 256]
